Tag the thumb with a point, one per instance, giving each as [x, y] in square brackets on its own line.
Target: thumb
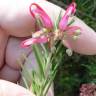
[11, 89]
[86, 43]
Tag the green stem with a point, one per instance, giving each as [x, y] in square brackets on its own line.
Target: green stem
[39, 59]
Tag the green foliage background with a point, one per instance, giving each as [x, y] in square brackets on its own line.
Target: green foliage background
[78, 69]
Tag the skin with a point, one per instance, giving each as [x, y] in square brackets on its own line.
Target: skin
[16, 24]
[16, 90]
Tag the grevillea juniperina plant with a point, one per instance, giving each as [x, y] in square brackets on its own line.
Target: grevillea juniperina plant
[46, 45]
[47, 30]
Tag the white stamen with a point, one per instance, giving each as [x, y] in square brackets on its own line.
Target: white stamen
[69, 52]
[77, 32]
[75, 37]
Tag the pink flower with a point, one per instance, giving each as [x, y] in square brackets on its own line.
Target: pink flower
[35, 9]
[40, 36]
[64, 21]
[31, 41]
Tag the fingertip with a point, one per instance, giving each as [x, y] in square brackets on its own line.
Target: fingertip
[11, 89]
[86, 43]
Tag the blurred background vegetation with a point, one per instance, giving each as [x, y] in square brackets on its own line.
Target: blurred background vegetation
[77, 69]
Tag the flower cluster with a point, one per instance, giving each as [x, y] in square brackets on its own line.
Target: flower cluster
[47, 33]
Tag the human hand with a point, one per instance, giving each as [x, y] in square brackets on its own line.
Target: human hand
[11, 89]
[17, 21]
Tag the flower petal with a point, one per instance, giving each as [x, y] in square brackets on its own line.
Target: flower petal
[71, 9]
[35, 9]
[31, 41]
[64, 21]
[71, 30]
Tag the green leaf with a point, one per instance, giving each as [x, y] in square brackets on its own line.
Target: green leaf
[25, 82]
[58, 20]
[49, 83]
[39, 58]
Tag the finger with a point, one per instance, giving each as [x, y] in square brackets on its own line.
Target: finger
[17, 21]
[32, 65]
[86, 43]
[14, 52]
[3, 43]
[11, 89]
[9, 74]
